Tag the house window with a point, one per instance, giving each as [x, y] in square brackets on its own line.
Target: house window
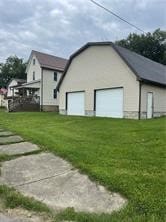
[55, 93]
[55, 76]
[33, 61]
[33, 75]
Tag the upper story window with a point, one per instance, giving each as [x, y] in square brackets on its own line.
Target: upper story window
[34, 61]
[33, 75]
[55, 76]
[55, 93]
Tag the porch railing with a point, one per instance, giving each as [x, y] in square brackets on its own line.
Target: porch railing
[25, 103]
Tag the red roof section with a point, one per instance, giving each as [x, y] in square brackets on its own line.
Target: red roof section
[3, 91]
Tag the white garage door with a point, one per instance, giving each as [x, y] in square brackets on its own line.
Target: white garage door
[75, 103]
[109, 103]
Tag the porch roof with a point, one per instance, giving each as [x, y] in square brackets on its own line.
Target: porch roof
[30, 85]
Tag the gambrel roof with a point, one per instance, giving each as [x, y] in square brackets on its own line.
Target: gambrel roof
[145, 69]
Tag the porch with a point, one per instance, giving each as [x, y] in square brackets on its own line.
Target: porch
[27, 99]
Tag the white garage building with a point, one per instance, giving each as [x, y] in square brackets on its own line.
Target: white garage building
[103, 79]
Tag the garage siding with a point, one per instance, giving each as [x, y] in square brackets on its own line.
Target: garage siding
[100, 67]
[159, 100]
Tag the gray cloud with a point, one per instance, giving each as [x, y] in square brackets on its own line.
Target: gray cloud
[61, 26]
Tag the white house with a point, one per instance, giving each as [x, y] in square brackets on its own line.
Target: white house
[103, 79]
[43, 74]
[12, 91]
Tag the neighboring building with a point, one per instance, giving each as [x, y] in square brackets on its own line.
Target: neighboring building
[43, 73]
[12, 91]
[3, 93]
[103, 79]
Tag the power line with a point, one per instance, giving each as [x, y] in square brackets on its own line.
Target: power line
[109, 11]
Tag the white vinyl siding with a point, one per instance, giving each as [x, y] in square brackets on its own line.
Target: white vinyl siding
[104, 70]
[33, 68]
[159, 98]
[50, 95]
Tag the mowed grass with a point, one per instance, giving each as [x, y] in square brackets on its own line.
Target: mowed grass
[126, 156]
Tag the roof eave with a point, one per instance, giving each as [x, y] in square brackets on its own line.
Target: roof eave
[150, 82]
[69, 62]
[122, 57]
[29, 59]
[52, 68]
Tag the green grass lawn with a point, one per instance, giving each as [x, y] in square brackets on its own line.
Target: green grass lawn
[127, 156]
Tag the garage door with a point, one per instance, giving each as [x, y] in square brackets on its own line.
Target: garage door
[109, 102]
[75, 103]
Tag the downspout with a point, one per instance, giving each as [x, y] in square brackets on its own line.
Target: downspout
[41, 105]
[139, 109]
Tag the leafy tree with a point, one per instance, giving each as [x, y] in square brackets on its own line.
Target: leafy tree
[150, 45]
[14, 67]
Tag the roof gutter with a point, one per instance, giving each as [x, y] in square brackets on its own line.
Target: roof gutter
[153, 83]
[51, 68]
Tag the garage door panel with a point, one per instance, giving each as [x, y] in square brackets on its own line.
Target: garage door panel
[75, 103]
[109, 103]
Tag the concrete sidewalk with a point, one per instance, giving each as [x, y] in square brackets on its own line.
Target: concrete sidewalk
[18, 148]
[6, 218]
[54, 181]
[10, 139]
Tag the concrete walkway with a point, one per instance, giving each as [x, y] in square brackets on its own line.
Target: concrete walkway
[7, 218]
[18, 148]
[1, 130]
[6, 133]
[4, 218]
[19, 215]
[54, 181]
[10, 139]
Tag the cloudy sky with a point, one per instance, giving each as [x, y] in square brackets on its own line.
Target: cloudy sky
[60, 27]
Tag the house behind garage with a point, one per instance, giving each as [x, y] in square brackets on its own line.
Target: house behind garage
[43, 73]
[12, 91]
[103, 79]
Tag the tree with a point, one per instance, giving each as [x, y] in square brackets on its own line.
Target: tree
[14, 67]
[150, 45]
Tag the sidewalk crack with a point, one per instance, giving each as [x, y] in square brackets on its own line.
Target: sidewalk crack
[42, 179]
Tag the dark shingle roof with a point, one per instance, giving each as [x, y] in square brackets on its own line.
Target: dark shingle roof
[145, 69]
[20, 81]
[50, 61]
